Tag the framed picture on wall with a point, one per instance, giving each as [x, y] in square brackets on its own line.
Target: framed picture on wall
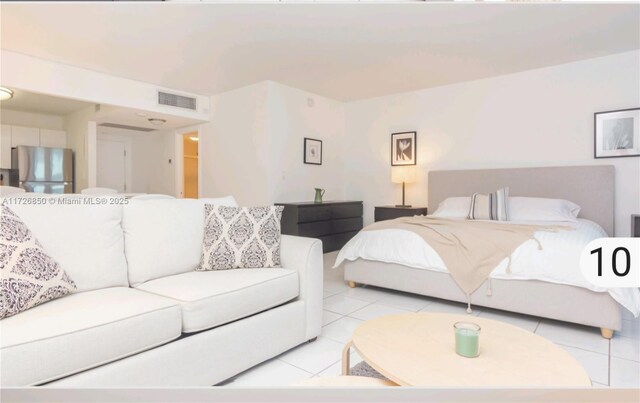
[617, 133]
[312, 151]
[403, 148]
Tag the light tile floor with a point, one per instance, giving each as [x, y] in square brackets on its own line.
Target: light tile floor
[614, 363]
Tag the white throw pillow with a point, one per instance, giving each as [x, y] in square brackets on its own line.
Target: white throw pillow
[241, 237]
[28, 275]
[453, 207]
[541, 209]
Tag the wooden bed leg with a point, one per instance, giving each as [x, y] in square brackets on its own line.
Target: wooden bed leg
[352, 284]
[606, 333]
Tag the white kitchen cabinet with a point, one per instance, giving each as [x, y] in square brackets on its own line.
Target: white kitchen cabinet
[25, 136]
[53, 138]
[13, 136]
[5, 147]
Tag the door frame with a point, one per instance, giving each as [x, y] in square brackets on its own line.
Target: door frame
[128, 158]
[179, 159]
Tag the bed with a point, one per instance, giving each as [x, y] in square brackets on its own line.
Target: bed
[591, 187]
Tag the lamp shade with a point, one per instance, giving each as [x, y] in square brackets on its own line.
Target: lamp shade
[403, 174]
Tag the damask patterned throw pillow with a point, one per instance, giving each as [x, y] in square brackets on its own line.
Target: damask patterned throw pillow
[241, 237]
[28, 276]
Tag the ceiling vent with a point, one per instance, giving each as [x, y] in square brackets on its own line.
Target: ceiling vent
[126, 127]
[179, 101]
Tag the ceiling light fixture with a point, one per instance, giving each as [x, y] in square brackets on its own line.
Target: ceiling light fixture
[157, 122]
[5, 93]
[193, 138]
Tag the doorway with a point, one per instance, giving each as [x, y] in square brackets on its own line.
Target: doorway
[112, 164]
[190, 164]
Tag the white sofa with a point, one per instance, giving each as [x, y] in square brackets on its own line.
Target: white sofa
[141, 315]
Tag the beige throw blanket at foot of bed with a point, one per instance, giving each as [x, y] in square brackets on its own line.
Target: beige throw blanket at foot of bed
[471, 250]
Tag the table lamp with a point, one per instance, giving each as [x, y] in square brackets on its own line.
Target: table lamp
[403, 175]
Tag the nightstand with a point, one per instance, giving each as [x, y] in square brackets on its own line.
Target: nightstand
[635, 225]
[390, 212]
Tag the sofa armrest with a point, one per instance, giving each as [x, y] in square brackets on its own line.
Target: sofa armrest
[305, 256]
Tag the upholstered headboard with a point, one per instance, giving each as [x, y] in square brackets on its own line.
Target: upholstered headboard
[591, 187]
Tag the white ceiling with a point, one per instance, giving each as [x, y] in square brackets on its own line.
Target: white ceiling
[343, 51]
[39, 103]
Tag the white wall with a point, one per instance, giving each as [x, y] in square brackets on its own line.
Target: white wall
[541, 117]
[234, 149]
[293, 115]
[162, 180]
[253, 146]
[80, 135]
[30, 119]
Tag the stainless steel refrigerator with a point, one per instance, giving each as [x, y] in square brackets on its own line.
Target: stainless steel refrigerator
[43, 169]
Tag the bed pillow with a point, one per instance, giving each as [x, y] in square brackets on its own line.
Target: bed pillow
[541, 209]
[493, 206]
[28, 275]
[453, 207]
[241, 237]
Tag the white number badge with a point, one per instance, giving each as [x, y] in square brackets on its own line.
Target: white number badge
[612, 262]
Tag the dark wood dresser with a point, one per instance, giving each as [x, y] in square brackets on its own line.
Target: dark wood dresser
[333, 222]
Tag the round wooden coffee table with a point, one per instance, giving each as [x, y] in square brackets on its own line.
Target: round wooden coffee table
[418, 349]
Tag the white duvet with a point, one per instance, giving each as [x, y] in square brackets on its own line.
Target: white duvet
[557, 262]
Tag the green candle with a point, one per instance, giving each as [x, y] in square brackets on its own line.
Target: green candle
[467, 339]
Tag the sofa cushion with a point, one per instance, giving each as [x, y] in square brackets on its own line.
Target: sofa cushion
[82, 233]
[241, 237]
[28, 275]
[164, 236]
[81, 331]
[213, 298]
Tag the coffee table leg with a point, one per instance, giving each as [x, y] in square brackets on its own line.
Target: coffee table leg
[346, 358]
